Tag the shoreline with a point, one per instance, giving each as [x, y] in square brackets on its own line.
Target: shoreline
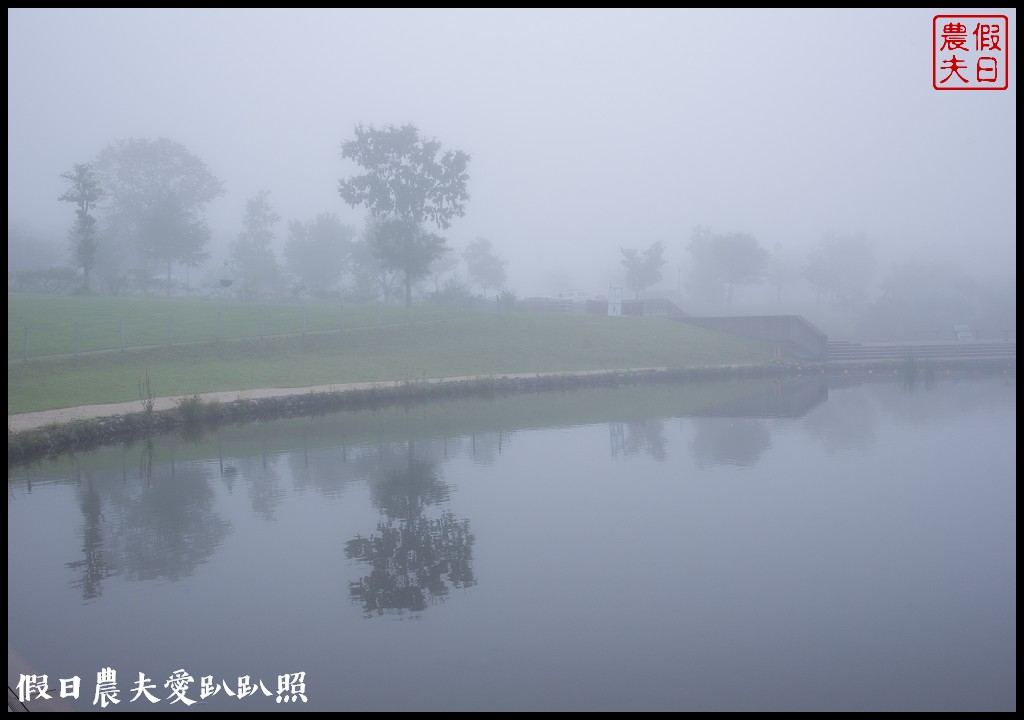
[34, 435]
[22, 422]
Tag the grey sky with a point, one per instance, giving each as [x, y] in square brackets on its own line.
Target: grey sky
[590, 130]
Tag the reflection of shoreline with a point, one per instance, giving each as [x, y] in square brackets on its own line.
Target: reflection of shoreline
[413, 556]
[507, 414]
[794, 397]
[32, 436]
[157, 523]
[660, 528]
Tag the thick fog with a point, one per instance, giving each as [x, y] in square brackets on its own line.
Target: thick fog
[590, 130]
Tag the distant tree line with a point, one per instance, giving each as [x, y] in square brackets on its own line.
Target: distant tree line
[140, 212]
[838, 267]
[917, 299]
[141, 205]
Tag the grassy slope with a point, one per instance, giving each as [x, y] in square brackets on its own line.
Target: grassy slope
[53, 320]
[465, 345]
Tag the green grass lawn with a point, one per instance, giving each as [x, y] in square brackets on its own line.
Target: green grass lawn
[63, 325]
[434, 346]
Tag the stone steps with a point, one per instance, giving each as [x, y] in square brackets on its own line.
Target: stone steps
[840, 350]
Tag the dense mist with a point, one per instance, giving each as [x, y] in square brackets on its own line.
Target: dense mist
[818, 134]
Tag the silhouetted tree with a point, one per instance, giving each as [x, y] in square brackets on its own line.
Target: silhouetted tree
[85, 192]
[257, 269]
[643, 269]
[486, 270]
[159, 192]
[728, 259]
[410, 181]
[371, 279]
[401, 246]
[318, 252]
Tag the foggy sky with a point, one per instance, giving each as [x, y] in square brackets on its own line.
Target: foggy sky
[589, 130]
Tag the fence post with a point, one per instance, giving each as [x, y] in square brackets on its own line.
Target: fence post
[341, 318]
[74, 338]
[122, 334]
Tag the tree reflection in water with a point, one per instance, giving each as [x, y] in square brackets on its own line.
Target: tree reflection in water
[163, 527]
[730, 441]
[414, 558]
[414, 562]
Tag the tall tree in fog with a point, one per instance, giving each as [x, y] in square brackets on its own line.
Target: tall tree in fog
[159, 192]
[371, 279]
[486, 270]
[840, 267]
[258, 273]
[318, 252]
[84, 193]
[404, 246]
[412, 181]
[728, 259]
[643, 269]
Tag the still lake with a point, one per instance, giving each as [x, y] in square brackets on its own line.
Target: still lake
[803, 544]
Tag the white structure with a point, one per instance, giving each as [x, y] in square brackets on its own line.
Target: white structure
[614, 301]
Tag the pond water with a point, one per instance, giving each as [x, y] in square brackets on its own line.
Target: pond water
[803, 544]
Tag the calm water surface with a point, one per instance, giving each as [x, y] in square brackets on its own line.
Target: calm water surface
[797, 545]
